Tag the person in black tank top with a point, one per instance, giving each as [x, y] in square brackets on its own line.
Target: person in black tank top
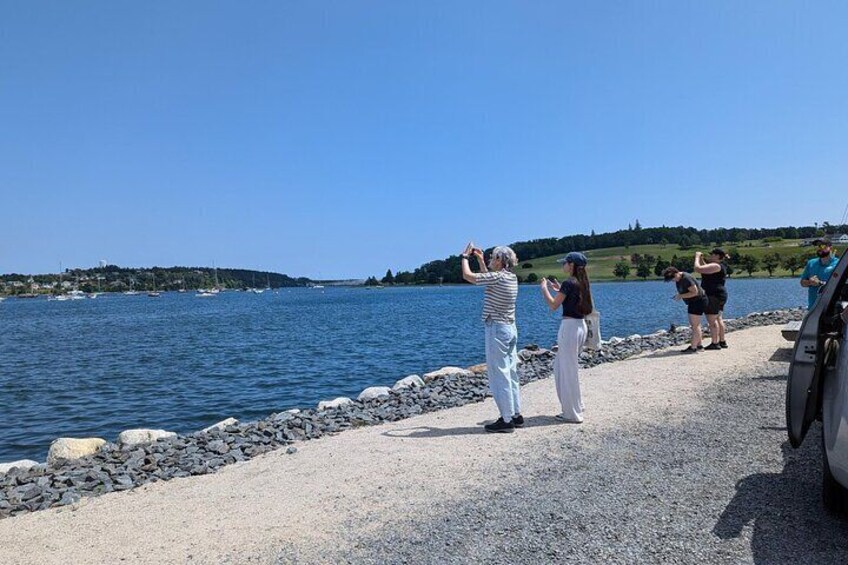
[574, 295]
[713, 275]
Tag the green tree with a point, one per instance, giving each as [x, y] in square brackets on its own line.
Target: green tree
[660, 266]
[682, 263]
[749, 264]
[643, 270]
[621, 270]
[793, 263]
[771, 261]
[532, 277]
[389, 278]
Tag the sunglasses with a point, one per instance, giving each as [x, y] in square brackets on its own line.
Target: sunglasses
[823, 245]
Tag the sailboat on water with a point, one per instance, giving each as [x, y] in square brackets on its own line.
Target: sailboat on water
[209, 292]
[131, 292]
[154, 293]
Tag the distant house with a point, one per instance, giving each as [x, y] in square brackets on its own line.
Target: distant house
[836, 239]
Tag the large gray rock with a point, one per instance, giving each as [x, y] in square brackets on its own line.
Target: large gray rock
[67, 448]
[143, 436]
[21, 464]
[373, 392]
[412, 381]
[445, 371]
[221, 425]
[335, 403]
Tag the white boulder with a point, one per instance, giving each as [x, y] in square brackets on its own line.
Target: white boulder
[286, 415]
[22, 464]
[614, 340]
[221, 425]
[445, 371]
[373, 392]
[143, 436]
[73, 448]
[335, 403]
[412, 381]
[634, 337]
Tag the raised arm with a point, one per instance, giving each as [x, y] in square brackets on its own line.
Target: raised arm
[553, 302]
[705, 268]
[481, 260]
[467, 275]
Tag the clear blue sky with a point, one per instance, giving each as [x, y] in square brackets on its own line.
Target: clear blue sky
[338, 139]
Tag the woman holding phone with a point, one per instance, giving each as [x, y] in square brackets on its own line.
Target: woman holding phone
[574, 295]
[501, 334]
[713, 275]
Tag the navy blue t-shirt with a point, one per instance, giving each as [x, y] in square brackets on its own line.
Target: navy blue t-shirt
[571, 304]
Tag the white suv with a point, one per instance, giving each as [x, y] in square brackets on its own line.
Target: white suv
[817, 388]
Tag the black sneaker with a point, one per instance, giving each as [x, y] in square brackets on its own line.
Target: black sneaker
[700, 347]
[518, 421]
[722, 344]
[713, 347]
[689, 349]
[500, 427]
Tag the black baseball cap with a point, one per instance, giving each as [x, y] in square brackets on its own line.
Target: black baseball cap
[824, 240]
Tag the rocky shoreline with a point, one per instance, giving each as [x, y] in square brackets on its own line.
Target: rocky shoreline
[144, 456]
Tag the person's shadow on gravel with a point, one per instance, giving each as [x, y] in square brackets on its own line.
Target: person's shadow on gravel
[430, 432]
[790, 525]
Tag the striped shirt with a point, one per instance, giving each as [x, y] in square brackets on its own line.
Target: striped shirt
[501, 292]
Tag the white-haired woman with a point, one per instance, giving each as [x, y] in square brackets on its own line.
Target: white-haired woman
[501, 334]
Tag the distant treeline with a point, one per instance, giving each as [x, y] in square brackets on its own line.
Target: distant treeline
[449, 270]
[117, 279]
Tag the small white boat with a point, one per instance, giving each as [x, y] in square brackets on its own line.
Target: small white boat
[205, 293]
[131, 292]
[154, 294]
[318, 286]
[93, 295]
[76, 294]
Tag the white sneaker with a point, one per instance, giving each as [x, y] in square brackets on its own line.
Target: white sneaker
[562, 418]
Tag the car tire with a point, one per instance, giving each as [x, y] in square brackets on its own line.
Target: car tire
[834, 495]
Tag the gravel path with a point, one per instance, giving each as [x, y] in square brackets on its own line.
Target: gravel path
[682, 459]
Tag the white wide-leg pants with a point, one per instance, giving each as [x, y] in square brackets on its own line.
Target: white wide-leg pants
[570, 339]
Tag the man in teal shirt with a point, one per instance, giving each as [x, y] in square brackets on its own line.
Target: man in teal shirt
[818, 269]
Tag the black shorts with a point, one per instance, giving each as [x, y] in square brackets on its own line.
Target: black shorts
[697, 307]
[715, 305]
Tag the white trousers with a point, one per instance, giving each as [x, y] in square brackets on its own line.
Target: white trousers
[570, 339]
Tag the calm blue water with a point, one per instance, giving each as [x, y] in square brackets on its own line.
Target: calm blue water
[96, 367]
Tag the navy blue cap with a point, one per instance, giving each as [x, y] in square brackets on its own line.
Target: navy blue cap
[574, 257]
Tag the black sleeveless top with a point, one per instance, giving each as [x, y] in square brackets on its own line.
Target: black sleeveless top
[713, 284]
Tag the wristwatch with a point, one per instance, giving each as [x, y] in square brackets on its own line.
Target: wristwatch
[464, 256]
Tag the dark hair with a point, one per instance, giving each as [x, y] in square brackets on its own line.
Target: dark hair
[719, 251]
[669, 273]
[584, 291]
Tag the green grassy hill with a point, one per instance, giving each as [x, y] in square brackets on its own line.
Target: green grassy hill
[603, 261]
